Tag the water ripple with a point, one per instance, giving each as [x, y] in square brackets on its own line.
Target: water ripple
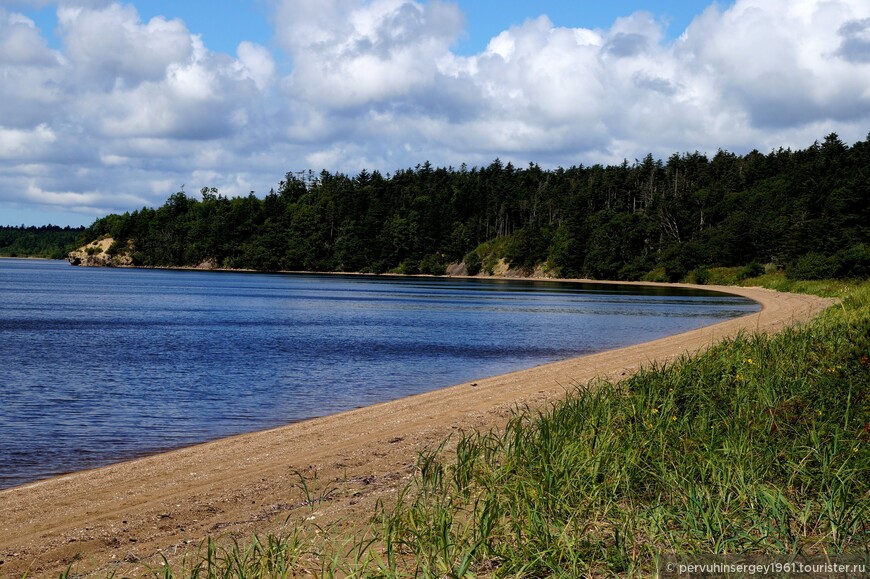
[101, 365]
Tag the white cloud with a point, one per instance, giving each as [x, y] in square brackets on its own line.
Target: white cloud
[64, 198]
[776, 61]
[17, 144]
[121, 106]
[350, 53]
[127, 110]
[255, 62]
[156, 79]
[561, 95]
[21, 43]
[29, 71]
[111, 46]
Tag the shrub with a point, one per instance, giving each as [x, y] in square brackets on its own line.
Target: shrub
[753, 269]
[657, 275]
[853, 262]
[473, 263]
[409, 267]
[117, 247]
[723, 275]
[699, 275]
[811, 266]
[634, 270]
[432, 265]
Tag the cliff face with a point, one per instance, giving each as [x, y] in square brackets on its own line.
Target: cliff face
[95, 254]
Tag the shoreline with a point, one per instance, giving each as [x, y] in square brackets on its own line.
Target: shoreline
[139, 509]
[507, 277]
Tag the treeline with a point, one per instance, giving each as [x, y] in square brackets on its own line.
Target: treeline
[50, 241]
[807, 211]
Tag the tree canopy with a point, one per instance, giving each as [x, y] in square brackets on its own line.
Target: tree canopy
[50, 241]
[806, 210]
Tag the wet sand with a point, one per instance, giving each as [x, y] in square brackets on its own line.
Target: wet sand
[127, 515]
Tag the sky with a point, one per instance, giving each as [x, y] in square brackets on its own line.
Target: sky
[108, 106]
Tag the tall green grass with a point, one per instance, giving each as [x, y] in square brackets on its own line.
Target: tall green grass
[759, 445]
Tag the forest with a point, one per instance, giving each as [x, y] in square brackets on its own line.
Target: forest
[49, 241]
[805, 211]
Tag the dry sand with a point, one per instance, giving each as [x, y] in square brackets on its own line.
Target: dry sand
[126, 515]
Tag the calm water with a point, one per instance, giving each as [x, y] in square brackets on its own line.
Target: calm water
[98, 365]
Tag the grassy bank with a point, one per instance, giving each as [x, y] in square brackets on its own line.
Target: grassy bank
[759, 445]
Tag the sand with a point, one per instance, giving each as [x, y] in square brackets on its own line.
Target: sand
[127, 515]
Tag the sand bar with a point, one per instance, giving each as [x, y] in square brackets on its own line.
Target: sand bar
[126, 515]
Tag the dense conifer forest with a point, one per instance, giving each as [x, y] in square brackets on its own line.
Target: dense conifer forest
[48, 241]
[807, 211]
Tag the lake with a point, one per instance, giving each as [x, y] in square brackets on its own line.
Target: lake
[101, 364]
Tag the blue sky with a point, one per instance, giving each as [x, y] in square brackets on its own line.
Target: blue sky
[110, 105]
[489, 17]
[236, 20]
[222, 24]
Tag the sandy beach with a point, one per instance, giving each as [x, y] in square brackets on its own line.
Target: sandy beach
[126, 515]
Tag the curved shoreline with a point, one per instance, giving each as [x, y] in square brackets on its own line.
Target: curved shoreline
[138, 509]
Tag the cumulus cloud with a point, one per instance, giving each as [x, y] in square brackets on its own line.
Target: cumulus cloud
[255, 62]
[126, 110]
[121, 97]
[112, 46]
[30, 71]
[21, 43]
[758, 73]
[350, 53]
[774, 60]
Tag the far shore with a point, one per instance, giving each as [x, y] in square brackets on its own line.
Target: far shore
[129, 515]
[511, 275]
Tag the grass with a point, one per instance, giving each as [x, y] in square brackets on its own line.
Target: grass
[759, 445]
